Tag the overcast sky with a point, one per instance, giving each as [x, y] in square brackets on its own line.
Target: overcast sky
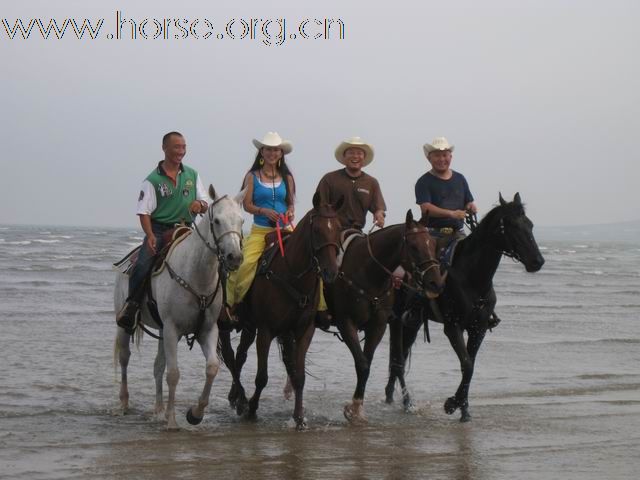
[539, 97]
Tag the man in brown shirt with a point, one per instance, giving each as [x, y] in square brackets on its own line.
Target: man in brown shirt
[361, 191]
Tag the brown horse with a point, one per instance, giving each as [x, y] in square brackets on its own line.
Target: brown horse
[362, 297]
[282, 302]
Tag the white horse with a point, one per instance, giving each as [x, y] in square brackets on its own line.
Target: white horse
[188, 293]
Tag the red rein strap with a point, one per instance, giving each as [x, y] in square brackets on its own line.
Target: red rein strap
[285, 221]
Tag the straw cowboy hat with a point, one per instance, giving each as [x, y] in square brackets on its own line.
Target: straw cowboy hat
[272, 139]
[356, 142]
[438, 143]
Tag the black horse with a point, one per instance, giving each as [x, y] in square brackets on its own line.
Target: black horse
[468, 300]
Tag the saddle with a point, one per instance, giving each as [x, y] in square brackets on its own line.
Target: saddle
[446, 253]
[172, 238]
[346, 237]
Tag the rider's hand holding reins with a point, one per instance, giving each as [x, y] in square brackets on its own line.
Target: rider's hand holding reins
[378, 218]
[198, 206]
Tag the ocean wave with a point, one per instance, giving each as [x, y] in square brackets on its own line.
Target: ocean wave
[66, 237]
[42, 240]
[19, 242]
[599, 341]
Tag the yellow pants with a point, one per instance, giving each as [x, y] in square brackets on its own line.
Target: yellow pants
[240, 281]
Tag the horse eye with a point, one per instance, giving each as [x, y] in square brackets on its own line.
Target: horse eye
[216, 221]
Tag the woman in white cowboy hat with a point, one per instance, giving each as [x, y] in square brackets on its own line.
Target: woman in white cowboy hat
[361, 191]
[270, 193]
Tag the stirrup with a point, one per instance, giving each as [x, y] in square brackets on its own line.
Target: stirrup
[126, 318]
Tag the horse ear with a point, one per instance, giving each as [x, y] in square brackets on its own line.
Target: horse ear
[516, 199]
[339, 203]
[239, 198]
[424, 219]
[502, 202]
[316, 200]
[409, 219]
[212, 192]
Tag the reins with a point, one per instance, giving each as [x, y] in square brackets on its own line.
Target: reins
[375, 300]
[303, 300]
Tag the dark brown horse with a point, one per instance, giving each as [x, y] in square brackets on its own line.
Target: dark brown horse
[282, 302]
[362, 297]
[467, 300]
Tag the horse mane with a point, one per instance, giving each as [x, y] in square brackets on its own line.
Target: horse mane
[488, 222]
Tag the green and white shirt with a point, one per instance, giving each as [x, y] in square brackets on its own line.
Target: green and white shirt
[167, 202]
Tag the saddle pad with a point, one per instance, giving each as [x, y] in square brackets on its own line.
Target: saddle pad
[447, 253]
[125, 265]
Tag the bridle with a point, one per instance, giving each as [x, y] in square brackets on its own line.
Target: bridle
[314, 263]
[216, 249]
[418, 270]
[508, 250]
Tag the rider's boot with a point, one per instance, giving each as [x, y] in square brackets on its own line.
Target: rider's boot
[323, 319]
[126, 317]
[494, 320]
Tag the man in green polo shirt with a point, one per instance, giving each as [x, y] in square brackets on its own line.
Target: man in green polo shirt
[172, 193]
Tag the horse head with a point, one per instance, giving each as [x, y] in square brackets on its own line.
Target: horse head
[420, 258]
[515, 234]
[225, 226]
[325, 237]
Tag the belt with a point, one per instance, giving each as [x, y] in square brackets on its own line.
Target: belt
[443, 230]
[170, 225]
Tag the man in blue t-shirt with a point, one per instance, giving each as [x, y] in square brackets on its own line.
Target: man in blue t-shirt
[443, 194]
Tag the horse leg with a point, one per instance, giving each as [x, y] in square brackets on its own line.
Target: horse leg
[398, 362]
[170, 340]
[288, 360]
[229, 358]
[247, 338]
[395, 356]
[374, 332]
[263, 344]
[123, 351]
[208, 345]
[410, 333]
[474, 341]
[460, 400]
[298, 378]
[353, 411]
[158, 372]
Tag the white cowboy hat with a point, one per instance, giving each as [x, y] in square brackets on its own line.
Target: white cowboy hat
[272, 139]
[356, 142]
[438, 143]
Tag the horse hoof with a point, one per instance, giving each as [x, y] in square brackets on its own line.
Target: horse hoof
[451, 405]
[191, 418]
[241, 406]
[352, 416]
[465, 417]
[409, 407]
[301, 425]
